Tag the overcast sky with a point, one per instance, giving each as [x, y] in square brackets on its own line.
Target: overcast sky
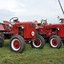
[27, 10]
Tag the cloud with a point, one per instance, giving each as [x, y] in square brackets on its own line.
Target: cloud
[30, 9]
[12, 5]
[5, 15]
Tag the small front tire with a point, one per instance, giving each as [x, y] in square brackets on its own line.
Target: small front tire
[39, 42]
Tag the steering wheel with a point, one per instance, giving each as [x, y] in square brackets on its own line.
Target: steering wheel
[42, 22]
[14, 19]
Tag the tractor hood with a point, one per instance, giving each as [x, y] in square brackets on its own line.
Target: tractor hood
[24, 24]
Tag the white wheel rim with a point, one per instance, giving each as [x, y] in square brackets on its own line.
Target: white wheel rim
[36, 46]
[12, 45]
[51, 42]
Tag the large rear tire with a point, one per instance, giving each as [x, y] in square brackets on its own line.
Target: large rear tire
[39, 42]
[17, 44]
[55, 41]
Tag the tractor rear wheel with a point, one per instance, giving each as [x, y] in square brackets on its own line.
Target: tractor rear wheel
[1, 41]
[39, 42]
[17, 44]
[55, 41]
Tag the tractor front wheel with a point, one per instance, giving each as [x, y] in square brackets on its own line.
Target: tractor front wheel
[55, 41]
[17, 43]
[39, 42]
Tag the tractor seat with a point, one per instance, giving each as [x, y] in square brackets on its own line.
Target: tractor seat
[6, 25]
[6, 22]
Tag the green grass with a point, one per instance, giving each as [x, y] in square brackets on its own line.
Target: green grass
[30, 55]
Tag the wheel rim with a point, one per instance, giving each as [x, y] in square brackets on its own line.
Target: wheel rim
[54, 42]
[37, 43]
[15, 44]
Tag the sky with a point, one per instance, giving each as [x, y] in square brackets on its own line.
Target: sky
[30, 10]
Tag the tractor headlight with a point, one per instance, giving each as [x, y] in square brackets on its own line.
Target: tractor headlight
[32, 33]
[58, 28]
[22, 26]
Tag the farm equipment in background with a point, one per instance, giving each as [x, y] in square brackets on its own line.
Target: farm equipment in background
[19, 33]
[53, 33]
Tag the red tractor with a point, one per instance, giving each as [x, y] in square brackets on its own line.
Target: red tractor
[19, 33]
[53, 33]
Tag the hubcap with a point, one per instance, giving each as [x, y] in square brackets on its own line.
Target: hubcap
[15, 44]
[37, 43]
[54, 42]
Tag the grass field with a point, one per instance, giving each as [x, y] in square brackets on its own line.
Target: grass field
[30, 55]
